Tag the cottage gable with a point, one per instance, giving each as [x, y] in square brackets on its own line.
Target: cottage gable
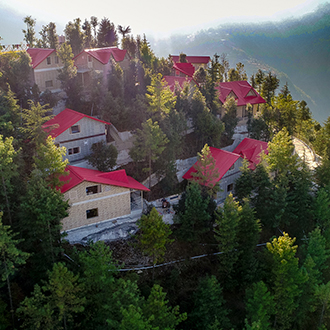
[45, 66]
[228, 164]
[96, 196]
[77, 132]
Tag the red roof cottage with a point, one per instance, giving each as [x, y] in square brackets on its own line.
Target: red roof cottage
[228, 164]
[243, 93]
[196, 61]
[96, 196]
[99, 60]
[77, 132]
[45, 66]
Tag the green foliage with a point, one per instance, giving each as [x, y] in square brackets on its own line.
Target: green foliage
[322, 293]
[154, 235]
[123, 295]
[268, 86]
[15, 67]
[227, 220]
[206, 173]
[49, 37]
[287, 280]
[209, 305]
[41, 211]
[244, 184]
[34, 118]
[230, 118]
[248, 234]
[74, 36]
[238, 73]
[55, 304]
[194, 216]
[150, 142]
[106, 36]
[207, 126]
[103, 156]
[68, 75]
[97, 277]
[317, 249]
[259, 306]
[10, 258]
[156, 310]
[49, 163]
[161, 99]
[29, 33]
[280, 158]
[8, 169]
[10, 118]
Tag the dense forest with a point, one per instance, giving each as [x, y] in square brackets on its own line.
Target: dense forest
[296, 49]
[263, 255]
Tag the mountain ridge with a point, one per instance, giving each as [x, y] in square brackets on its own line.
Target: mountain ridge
[296, 49]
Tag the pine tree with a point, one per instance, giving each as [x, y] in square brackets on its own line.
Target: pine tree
[230, 118]
[49, 163]
[194, 217]
[103, 156]
[149, 144]
[259, 307]
[29, 33]
[41, 211]
[209, 305]
[97, 276]
[154, 236]
[74, 35]
[287, 280]
[227, 220]
[8, 169]
[207, 174]
[161, 315]
[55, 304]
[248, 233]
[10, 258]
[160, 97]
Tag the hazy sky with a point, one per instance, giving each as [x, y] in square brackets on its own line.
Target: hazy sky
[157, 18]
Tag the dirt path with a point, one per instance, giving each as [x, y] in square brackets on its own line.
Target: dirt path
[306, 153]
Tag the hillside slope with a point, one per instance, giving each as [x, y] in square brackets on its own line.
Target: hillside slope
[298, 50]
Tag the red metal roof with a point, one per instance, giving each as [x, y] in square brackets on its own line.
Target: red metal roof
[103, 54]
[223, 161]
[251, 150]
[172, 80]
[192, 59]
[186, 68]
[38, 55]
[65, 120]
[241, 89]
[117, 178]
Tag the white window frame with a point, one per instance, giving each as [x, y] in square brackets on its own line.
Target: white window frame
[71, 151]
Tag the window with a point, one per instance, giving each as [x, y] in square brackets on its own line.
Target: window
[230, 187]
[232, 167]
[49, 83]
[93, 189]
[92, 213]
[49, 61]
[89, 58]
[56, 59]
[75, 129]
[72, 151]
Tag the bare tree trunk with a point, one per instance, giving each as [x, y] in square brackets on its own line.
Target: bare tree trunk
[9, 293]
